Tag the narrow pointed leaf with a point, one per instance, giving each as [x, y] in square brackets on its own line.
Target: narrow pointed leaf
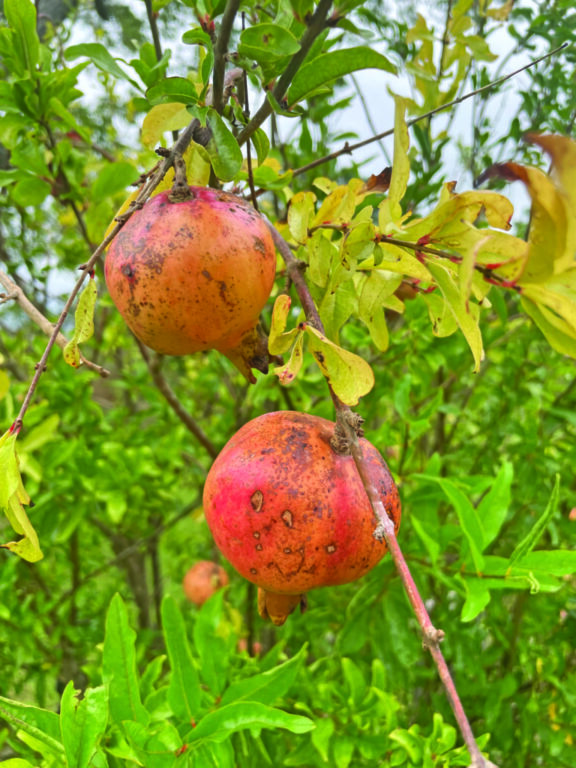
[401, 163]
[332, 65]
[225, 153]
[184, 690]
[218, 725]
[84, 323]
[82, 722]
[533, 537]
[119, 666]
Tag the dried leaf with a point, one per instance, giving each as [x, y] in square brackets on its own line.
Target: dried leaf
[379, 182]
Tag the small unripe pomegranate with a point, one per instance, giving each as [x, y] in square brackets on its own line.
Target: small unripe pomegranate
[290, 513]
[194, 274]
[202, 580]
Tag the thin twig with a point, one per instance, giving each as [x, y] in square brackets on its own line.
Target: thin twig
[385, 529]
[347, 149]
[145, 191]
[16, 293]
[171, 398]
[316, 25]
[220, 51]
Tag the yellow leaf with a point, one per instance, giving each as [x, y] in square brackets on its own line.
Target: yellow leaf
[288, 372]
[12, 498]
[401, 162]
[280, 341]
[83, 323]
[339, 206]
[349, 375]
[163, 118]
[300, 213]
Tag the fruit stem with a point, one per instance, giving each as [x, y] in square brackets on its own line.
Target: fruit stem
[180, 191]
[348, 427]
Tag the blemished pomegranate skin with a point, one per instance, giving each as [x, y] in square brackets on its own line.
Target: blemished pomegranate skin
[202, 580]
[288, 512]
[192, 275]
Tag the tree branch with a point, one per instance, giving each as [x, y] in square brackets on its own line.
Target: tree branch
[171, 398]
[316, 25]
[347, 422]
[17, 294]
[347, 149]
[220, 51]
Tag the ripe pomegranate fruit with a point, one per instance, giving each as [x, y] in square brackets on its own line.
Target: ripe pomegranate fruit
[291, 514]
[202, 580]
[194, 274]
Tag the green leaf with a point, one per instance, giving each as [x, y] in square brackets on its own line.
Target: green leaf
[322, 734]
[210, 645]
[529, 542]
[461, 310]
[173, 89]
[119, 666]
[112, 179]
[376, 288]
[261, 144]
[41, 724]
[348, 374]
[267, 686]
[12, 498]
[225, 154]
[477, 598]
[83, 722]
[30, 192]
[467, 515]
[280, 340]
[558, 562]
[267, 42]
[343, 749]
[494, 506]
[101, 58]
[218, 725]
[330, 66]
[184, 690]
[84, 323]
[21, 17]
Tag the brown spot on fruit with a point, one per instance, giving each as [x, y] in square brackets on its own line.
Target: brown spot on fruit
[257, 501]
[288, 518]
[331, 548]
[256, 534]
[259, 547]
[253, 571]
[287, 551]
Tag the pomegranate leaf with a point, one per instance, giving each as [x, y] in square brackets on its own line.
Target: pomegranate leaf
[401, 162]
[477, 598]
[321, 255]
[280, 340]
[348, 374]
[225, 154]
[162, 118]
[173, 89]
[533, 537]
[559, 334]
[12, 499]
[219, 724]
[288, 372]
[465, 316]
[267, 42]
[184, 689]
[330, 66]
[84, 323]
[339, 206]
[300, 212]
[378, 286]
[442, 318]
[395, 259]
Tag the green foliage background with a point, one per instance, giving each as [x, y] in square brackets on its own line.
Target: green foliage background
[117, 479]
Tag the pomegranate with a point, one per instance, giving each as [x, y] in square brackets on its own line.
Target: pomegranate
[194, 274]
[291, 514]
[202, 580]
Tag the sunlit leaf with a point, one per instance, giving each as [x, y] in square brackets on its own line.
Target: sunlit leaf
[401, 162]
[300, 214]
[349, 375]
[280, 340]
[465, 316]
[161, 119]
[21, 17]
[84, 323]
[12, 500]
[339, 206]
[559, 334]
[287, 373]
[101, 58]
[171, 90]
